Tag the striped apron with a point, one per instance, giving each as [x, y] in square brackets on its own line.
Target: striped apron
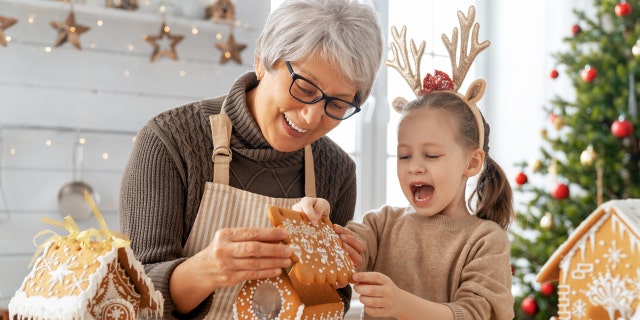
[223, 206]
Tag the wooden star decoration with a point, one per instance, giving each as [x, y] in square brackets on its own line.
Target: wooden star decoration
[5, 23]
[69, 31]
[164, 33]
[230, 50]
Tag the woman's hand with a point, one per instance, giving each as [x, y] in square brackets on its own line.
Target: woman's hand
[314, 208]
[242, 254]
[234, 255]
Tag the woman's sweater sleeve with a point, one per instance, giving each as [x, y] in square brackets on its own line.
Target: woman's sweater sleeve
[151, 214]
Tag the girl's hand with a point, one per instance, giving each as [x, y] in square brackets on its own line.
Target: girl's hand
[378, 294]
[352, 245]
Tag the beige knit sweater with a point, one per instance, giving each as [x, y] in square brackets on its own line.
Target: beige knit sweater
[463, 263]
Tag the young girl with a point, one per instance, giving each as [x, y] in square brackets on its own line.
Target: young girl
[435, 259]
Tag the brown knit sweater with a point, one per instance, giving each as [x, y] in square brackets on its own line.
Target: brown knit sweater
[463, 263]
[171, 161]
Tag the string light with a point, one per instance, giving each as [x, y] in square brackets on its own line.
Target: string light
[48, 142]
[164, 8]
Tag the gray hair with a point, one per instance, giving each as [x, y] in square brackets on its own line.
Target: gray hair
[344, 32]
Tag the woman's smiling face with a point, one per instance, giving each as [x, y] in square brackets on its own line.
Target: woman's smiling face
[286, 123]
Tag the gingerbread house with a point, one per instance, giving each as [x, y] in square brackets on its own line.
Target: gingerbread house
[308, 290]
[90, 274]
[598, 266]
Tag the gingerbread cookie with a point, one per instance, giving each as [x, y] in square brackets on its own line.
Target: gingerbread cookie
[284, 298]
[318, 255]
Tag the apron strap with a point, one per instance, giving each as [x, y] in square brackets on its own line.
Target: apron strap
[221, 157]
[309, 173]
[220, 132]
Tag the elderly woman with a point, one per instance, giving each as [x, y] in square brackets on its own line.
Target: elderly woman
[195, 191]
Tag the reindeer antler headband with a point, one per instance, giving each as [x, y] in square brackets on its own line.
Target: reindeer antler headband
[440, 80]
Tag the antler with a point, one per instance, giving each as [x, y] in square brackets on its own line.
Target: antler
[399, 49]
[459, 70]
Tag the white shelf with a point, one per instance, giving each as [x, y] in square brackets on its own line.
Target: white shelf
[149, 13]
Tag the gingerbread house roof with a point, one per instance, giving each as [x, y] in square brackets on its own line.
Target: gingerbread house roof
[627, 215]
[68, 275]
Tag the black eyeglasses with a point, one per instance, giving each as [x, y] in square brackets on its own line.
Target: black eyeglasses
[306, 92]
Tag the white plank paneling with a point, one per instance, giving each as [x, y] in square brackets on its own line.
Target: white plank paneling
[103, 93]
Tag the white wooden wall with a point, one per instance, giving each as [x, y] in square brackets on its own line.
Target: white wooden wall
[67, 94]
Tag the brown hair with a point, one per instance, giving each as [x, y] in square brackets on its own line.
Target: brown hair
[493, 191]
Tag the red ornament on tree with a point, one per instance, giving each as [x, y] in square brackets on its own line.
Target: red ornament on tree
[589, 73]
[560, 191]
[554, 74]
[621, 128]
[521, 178]
[547, 288]
[575, 29]
[529, 306]
[623, 9]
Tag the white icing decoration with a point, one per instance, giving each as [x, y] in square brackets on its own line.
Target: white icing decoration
[616, 290]
[76, 303]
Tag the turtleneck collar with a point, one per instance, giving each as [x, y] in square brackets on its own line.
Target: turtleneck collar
[247, 139]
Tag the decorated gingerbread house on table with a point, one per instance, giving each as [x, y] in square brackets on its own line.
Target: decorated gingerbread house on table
[598, 267]
[91, 274]
[307, 291]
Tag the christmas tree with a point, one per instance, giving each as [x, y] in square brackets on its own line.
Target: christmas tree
[590, 152]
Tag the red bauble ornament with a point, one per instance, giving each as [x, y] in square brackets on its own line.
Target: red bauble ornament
[547, 288]
[575, 29]
[521, 178]
[560, 191]
[529, 306]
[554, 74]
[623, 9]
[621, 128]
[589, 74]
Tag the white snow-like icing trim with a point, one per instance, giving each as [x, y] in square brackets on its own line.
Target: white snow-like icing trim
[76, 306]
[300, 311]
[627, 209]
[156, 296]
[581, 244]
[59, 308]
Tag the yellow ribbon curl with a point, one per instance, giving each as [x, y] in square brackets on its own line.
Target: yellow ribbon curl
[84, 237]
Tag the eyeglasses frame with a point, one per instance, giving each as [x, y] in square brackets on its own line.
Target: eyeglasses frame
[327, 99]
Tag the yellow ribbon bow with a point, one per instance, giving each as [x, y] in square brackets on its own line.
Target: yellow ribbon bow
[85, 237]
